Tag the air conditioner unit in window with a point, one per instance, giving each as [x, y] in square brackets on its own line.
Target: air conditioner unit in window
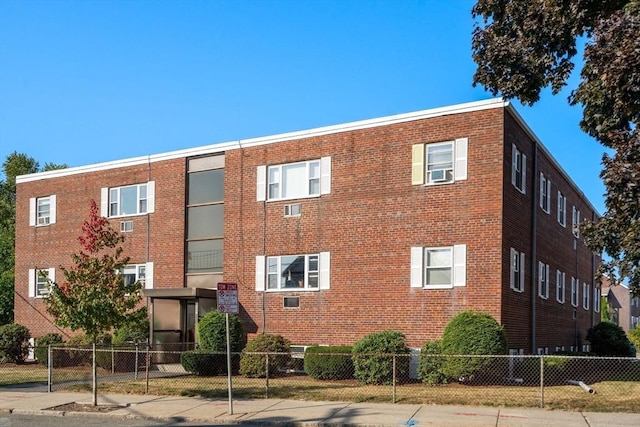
[293, 210]
[440, 175]
[43, 220]
[126, 226]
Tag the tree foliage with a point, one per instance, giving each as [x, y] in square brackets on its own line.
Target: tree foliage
[15, 164]
[471, 333]
[523, 46]
[609, 339]
[94, 296]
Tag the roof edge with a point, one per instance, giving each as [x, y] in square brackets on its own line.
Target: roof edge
[252, 142]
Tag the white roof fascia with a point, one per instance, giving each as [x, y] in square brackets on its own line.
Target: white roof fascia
[253, 142]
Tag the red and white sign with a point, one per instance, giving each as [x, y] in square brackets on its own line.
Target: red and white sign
[228, 298]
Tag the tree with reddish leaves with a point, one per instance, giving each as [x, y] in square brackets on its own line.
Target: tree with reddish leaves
[94, 296]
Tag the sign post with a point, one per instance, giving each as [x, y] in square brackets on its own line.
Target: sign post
[227, 297]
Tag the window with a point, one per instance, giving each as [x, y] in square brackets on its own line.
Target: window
[129, 200]
[205, 215]
[142, 273]
[543, 280]
[294, 180]
[517, 271]
[575, 222]
[585, 296]
[596, 299]
[42, 211]
[438, 268]
[293, 272]
[439, 163]
[560, 286]
[545, 193]
[518, 169]
[562, 209]
[39, 279]
[574, 292]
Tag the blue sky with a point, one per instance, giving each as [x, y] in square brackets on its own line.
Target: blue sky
[89, 81]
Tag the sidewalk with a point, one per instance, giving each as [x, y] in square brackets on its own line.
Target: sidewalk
[305, 413]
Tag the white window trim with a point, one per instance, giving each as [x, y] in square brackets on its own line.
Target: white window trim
[560, 286]
[519, 286]
[105, 209]
[515, 171]
[575, 292]
[585, 296]
[33, 211]
[148, 274]
[33, 280]
[324, 274]
[575, 222]
[543, 280]
[458, 267]
[262, 180]
[545, 193]
[596, 299]
[419, 161]
[562, 213]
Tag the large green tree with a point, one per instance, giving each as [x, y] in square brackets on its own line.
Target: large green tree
[523, 46]
[15, 164]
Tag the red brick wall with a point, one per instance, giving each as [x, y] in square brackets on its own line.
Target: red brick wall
[52, 246]
[368, 223]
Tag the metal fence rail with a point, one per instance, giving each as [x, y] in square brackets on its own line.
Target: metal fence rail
[562, 382]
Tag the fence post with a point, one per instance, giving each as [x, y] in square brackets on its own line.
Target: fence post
[113, 360]
[266, 391]
[135, 364]
[393, 381]
[146, 373]
[542, 381]
[49, 368]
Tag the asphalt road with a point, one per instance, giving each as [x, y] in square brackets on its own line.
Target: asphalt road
[19, 420]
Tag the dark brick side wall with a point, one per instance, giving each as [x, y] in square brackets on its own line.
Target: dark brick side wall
[555, 323]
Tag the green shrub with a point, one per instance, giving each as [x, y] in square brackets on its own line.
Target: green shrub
[83, 355]
[41, 350]
[328, 363]
[471, 333]
[634, 337]
[14, 342]
[203, 363]
[132, 333]
[608, 339]
[373, 357]
[431, 362]
[254, 365]
[212, 333]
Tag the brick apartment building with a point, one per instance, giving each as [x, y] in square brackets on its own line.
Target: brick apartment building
[623, 307]
[332, 233]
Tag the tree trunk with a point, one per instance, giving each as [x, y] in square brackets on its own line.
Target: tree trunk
[94, 374]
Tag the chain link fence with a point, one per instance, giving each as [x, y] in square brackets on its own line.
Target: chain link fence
[554, 382]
